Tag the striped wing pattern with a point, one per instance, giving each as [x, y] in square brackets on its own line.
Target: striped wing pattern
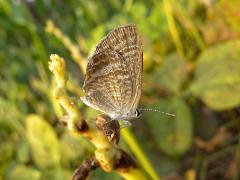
[113, 78]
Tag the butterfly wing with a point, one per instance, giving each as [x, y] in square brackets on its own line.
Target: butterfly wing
[126, 42]
[107, 83]
[113, 78]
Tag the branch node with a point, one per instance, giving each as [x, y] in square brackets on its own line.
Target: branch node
[81, 126]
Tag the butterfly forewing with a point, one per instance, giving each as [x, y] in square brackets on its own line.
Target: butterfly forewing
[113, 77]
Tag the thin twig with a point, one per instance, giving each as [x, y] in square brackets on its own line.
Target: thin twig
[108, 154]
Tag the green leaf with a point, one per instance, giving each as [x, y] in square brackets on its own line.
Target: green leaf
[172, 73]
[217, 78]
[43, 141]
[96, 36]
[7, 149]
[21, 172]
[74, 149]
[17, 13]
[172, 134]
[158, 22]
[141, 9]
[54, 174]
[57, 174]
[22, 154]
[91, 114]
[100, 174]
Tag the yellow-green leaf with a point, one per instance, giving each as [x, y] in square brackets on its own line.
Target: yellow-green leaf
[171, 74]
[43, 142]
[172, 134]
[217, 78]
[21, 172]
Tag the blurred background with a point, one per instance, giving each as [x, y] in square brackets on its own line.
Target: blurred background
[191, 68]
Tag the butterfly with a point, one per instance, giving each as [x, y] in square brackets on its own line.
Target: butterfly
[113, 77]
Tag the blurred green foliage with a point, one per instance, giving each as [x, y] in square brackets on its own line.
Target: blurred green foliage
[191, 68]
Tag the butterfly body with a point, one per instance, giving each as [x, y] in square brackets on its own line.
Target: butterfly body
[113, 77]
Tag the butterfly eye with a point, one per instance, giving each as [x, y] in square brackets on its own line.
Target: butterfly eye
[138, 113]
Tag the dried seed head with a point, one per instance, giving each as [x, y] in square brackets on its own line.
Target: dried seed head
[110, 128]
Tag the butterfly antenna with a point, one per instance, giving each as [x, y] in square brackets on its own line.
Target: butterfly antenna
[155, 110]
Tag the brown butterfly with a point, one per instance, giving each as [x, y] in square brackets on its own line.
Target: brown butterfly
[114, 74]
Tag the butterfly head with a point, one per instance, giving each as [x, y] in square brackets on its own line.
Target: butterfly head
[133, 114]
[127, 115]
[138, 113]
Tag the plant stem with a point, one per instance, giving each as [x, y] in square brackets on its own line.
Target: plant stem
[108, 154]
[135, 147]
